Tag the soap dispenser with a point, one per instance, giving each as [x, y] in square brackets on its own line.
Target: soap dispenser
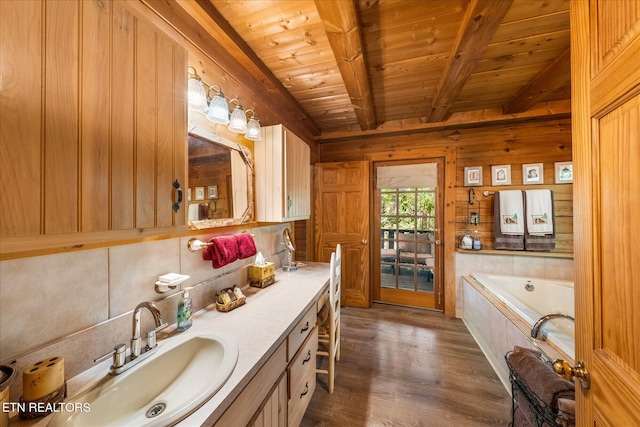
[476, 241]
[184, 311]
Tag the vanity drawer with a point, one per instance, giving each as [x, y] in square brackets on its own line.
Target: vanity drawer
[300, 397]
[300, 332]
[303, 361]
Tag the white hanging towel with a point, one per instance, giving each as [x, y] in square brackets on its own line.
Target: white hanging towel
[194, 208]
[511, 213]
[539, 212]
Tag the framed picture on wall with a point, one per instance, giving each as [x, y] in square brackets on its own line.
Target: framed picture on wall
[213, 192]
[199, 193]
[473, 176]
[501, 175]
[533, 173]
[564, 172]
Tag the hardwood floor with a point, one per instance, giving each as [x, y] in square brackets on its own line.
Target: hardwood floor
[408, 367]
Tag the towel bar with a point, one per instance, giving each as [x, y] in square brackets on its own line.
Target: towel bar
[196, 244]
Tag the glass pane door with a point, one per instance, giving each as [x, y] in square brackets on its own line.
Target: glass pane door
[407, 222]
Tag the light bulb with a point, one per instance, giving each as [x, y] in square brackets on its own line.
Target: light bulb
[238, 121]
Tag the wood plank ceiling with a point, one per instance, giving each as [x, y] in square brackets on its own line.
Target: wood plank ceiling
[370, 66]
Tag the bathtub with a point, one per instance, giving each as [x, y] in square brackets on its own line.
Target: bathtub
[546, 297]
[499, 312]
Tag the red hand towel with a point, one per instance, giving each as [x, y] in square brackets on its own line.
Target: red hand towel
[225, 251]
[207, 252]
[246, 245]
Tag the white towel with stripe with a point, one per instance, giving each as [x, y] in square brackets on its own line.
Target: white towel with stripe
[539, 212]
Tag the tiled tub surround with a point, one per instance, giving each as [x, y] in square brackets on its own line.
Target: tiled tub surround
[259, 327]
[497, 329]
[538, 265]
[78, 305]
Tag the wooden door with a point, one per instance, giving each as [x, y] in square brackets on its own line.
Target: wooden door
[406, 241]
[342, 216]
[605, 43]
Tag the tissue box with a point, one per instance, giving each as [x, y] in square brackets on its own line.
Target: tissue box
[261, 272]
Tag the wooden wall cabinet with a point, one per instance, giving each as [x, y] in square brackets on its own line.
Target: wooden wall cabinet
[283, 176]
[94, 123]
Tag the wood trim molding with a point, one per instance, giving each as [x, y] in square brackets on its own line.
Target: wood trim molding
[479, 118]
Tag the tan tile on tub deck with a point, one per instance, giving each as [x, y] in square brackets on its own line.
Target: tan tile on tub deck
[558, 268]
[528, 266]
[497, 264]
[469, 263]
[48, 297]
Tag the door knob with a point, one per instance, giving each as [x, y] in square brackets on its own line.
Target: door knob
[438, 242]
[364, 241]
[568, 372]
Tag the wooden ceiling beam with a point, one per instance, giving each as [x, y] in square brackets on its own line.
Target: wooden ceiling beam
[341, 25]
[467, 119]
[552, 78]
[481, 20]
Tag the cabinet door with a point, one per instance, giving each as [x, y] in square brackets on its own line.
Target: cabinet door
[273, 413]
[297, 178]
[283, 177]
[94, 123]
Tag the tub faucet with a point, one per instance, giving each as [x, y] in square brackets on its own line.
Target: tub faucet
[535, 330]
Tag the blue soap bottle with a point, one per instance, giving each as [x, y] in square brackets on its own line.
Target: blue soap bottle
[184, 311]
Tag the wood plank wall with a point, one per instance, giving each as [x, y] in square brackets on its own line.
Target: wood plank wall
[544, 142]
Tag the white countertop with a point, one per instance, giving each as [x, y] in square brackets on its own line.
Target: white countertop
[258, 327]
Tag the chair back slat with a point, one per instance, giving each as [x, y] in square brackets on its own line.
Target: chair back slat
[335, 277]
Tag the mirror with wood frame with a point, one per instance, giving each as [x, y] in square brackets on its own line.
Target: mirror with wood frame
[221, 177]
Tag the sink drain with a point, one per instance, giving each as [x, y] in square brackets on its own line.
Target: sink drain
[156, 410]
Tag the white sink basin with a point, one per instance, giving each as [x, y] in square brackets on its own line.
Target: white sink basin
[184, 372]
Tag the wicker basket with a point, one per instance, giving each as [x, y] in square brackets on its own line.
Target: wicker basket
[229, 305]
[233, 304]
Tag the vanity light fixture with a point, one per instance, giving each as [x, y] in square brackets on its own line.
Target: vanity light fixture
[197, 95]
[253, 128]
[238, 121]
[218, 107]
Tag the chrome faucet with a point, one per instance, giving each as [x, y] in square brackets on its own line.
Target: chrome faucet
[122, 362]
[535, 330]
[136, 341]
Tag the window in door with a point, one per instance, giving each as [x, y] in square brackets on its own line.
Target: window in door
[407, 227]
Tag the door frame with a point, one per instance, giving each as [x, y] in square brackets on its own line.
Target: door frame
[448, 231]
[374, 273]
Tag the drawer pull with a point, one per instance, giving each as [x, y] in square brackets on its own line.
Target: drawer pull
[306, 390]
[307, 358]
[306, 327]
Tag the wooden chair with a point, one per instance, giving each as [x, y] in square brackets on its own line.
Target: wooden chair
[331, 339]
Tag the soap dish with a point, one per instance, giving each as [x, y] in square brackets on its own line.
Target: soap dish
[169, 281]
